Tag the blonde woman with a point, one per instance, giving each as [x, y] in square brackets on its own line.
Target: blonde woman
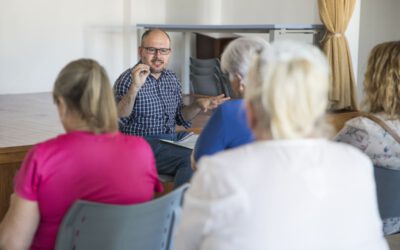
[292, 188]
[382, 100]
[91, 161]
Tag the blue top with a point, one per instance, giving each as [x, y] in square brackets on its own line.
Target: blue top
[227, 128]
[158, 105]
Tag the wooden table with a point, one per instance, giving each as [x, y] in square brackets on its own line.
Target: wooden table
[25, 120]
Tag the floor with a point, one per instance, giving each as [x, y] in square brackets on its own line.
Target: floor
[394, 241]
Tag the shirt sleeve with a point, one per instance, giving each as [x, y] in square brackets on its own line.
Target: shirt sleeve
[354, 133]
[211, 139]
[27, 180]
[121, 86]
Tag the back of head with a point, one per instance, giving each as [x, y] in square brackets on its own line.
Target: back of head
[288, 88]
[84, 86]
[239, 53]
[382, 80]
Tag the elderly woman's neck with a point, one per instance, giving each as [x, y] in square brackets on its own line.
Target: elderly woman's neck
[262, 135]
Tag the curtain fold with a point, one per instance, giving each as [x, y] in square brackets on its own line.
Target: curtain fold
[335, 15]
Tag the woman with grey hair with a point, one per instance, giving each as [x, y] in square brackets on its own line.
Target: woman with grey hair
[227, 127]
[292, 188]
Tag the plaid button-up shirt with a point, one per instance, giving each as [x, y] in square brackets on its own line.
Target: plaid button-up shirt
[158, 105]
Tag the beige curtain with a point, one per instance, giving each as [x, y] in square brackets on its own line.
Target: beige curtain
[335, 15]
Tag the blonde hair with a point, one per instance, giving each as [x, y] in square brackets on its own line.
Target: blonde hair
[288, 88]
[382, 80]
[86, 89]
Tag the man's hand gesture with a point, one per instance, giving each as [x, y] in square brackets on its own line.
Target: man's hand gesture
[139, 74]
[210, 103]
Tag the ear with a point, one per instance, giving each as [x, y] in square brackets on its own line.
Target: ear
[242, 87]
[62, 107]
[139, 51]
[239, 77]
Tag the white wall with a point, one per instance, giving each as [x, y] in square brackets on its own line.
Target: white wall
[37, 38]
[270, 11]
[194, 11]
[379, 22]
[149, 11]
[352, 34]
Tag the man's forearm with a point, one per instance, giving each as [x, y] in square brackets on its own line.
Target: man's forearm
[125, 105]
[190, 112]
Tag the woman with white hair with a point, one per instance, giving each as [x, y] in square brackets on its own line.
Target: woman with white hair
[227, 127]
[292, 188]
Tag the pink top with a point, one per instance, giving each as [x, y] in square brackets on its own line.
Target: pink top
[108, 168]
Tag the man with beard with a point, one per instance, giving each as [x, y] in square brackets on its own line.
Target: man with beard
[149, 101]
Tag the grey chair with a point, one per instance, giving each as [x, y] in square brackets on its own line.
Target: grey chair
[203, 70]
[205, 63]
[209, 67]
[150, 225]
[388, 192]
[208, 85]
[225, 84]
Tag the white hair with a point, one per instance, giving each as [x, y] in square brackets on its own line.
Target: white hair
[239, 53]
[288, 87]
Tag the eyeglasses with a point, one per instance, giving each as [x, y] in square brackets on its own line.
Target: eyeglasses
[152, 50]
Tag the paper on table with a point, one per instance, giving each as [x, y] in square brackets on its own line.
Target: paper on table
[188, 141]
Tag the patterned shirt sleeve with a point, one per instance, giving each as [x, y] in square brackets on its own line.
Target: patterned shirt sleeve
[121, 86]
[353, 135]
[373, 140]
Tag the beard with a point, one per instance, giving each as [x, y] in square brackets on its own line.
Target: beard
[155, 70]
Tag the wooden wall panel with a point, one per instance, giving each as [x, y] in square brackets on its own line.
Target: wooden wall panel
[11, 159]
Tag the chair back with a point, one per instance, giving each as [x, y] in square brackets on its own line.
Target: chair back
[203, 70]
[205, 63]
[226, 84]
[150, 225]
[206, 85]
[388, 191]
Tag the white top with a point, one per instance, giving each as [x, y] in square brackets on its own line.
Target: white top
[371, 138]
[288, 194]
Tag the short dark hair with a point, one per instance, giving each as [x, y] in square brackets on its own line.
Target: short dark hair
[147, 32]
